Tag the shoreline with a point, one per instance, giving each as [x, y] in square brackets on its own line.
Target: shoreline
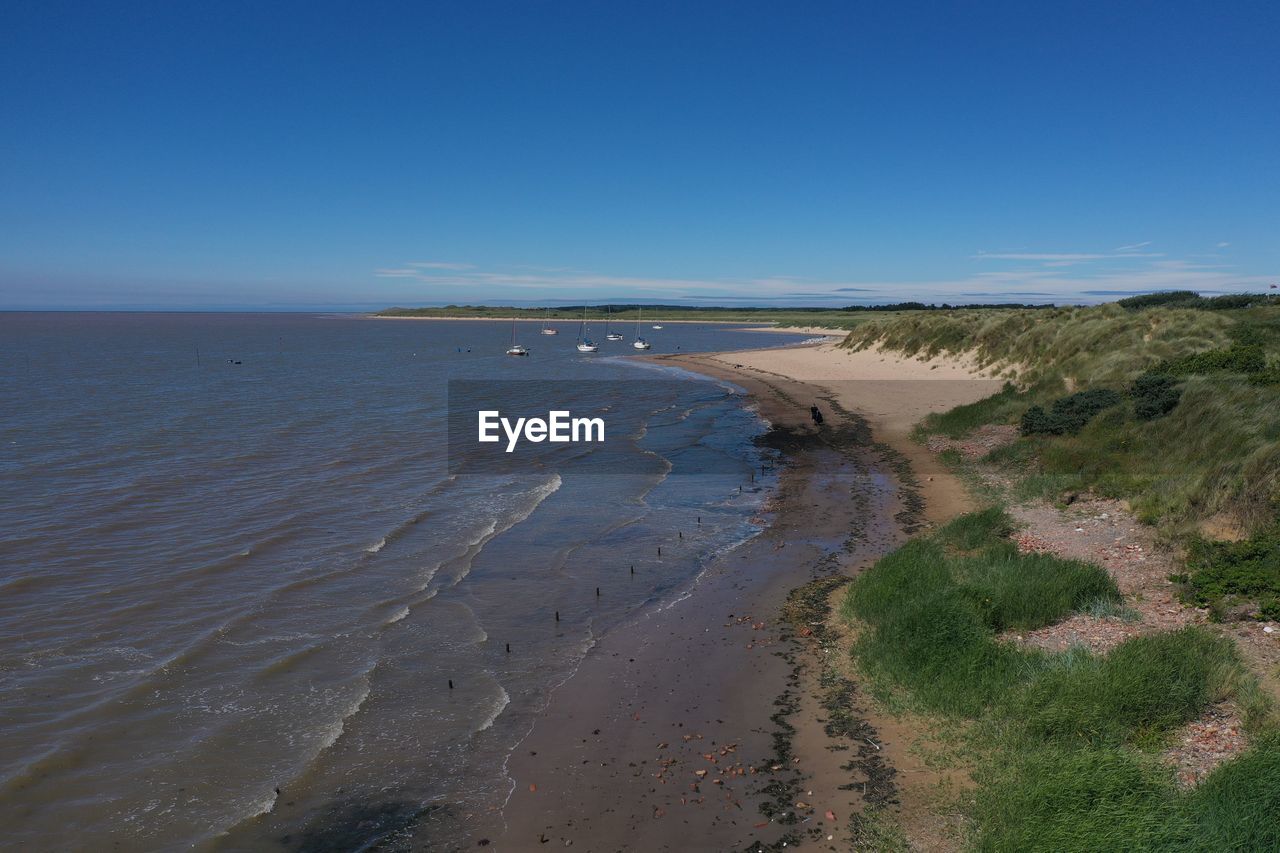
[707, 724]
[743, 325]
[889, 391]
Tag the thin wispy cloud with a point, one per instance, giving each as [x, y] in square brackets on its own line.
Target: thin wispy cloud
[1223, 245]
[1064, 257]
[440, 265]
[1134, 247]
[1085, 278]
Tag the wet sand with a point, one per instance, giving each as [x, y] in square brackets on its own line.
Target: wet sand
[677, 731]
[718, 723]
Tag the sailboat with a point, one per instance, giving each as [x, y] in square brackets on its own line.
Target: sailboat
[515, 348]
[639, 342]
[608, 335]
[585, 344]
[548, 330]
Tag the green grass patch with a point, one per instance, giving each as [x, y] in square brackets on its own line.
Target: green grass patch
[1023, 592]
[935, 605]
[1056, 799]
[976, 530]
[1144, 689]
[1236, 808]
[1068, 743]
[929, 636]
[1059, 799]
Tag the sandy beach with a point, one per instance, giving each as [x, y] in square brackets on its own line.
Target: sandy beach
[718, 722]
[890, 391]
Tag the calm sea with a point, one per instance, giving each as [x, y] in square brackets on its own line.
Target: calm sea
[237, 577]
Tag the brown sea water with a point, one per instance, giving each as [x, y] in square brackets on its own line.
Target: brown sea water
[236, 575]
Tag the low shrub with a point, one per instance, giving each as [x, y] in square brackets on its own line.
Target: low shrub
[1238, 358]
[1154, 395]
[1068, 415]
[1269, 376]
[1191, 299]
[1248, 569]
[1177, 298]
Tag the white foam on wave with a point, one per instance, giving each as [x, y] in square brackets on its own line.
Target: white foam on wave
[499, 705]
[335, 731]
[398, 615]
[266, 805]
[268, 802]
[376, 546]
[498, 527]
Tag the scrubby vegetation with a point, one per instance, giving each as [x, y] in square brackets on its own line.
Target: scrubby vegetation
[1239, 358]
[1086, 346]
[1172, 403]
[1198, 438]
[1191, 299]
[962, 420]
[1154, 395]
[1067, 742]
[1224, 572]
[1068, 415]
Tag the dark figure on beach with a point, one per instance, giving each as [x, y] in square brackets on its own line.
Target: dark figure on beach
[816, 414]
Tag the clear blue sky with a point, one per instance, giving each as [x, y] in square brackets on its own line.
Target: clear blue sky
[269, 154]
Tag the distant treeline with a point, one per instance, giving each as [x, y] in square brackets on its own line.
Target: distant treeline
[1191, 299]
[678, 310]
[920, 306]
